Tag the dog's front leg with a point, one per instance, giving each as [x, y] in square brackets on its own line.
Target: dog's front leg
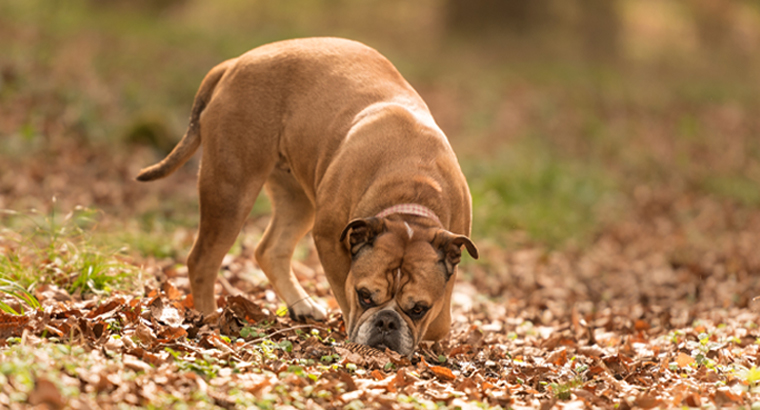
[292, 217]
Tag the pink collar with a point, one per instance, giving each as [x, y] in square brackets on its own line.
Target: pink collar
[411, 209]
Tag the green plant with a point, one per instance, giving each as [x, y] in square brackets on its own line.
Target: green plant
[57, 249]
[17, 292]
[563, 391]
[751, 376]
[206, 365]
[330, 358]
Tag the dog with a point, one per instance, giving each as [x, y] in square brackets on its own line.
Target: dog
[346, 148]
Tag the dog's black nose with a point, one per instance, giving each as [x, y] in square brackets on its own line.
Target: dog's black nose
[387, 322]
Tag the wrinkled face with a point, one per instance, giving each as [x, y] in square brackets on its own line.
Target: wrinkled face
[398, 281]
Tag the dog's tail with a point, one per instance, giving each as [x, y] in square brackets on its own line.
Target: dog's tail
[192, 139]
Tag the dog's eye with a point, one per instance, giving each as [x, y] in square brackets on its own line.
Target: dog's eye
[418, 311]
[365, 298]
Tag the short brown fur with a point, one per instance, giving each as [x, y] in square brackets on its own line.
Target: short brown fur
[333, 133]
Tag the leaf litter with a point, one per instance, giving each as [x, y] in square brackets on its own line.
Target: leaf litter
[638, 320]
[658, 311]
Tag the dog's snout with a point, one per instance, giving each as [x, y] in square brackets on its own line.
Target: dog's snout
[386, 329]
[387, 322]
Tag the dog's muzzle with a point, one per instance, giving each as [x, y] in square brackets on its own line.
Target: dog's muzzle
[386, 329]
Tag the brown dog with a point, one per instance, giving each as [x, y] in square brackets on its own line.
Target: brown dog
[344, 146]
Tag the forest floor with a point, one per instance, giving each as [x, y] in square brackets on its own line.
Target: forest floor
[656, 311]
[616, 210]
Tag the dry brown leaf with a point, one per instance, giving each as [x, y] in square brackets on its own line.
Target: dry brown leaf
[343, 377]
[254, 383]
[461, 349]
[107, 307]
[46, 394]
[349, 356]
[725, 395]
[53, 331]
[648, 401]
[592, 351]
[246, 309]
[641, 325]
[444, 373]
[170, 316]
[187, 302]
[12, 325]
[145, 334]
[558, 357]
[169, 334]
[377, 374]
[132, 362]
[693, 400]
[171, 292]
[683, 360]
[403, 379]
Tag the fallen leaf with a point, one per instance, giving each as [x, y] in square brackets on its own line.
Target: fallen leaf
[693, 400]
[648, 401]
[145, 333]
[172, 333]
[12, 325]
[246, 309]
[46, 393]
[105, 308]
[443, 373]
[684, 360]
[132, 362]
[726, 395]
[641, 325]
[170, 316]
[171, 292]
[403, 379]
[558, 357]
[377, 374]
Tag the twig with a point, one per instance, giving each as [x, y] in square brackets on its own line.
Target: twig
[261, 339]
[233, 291]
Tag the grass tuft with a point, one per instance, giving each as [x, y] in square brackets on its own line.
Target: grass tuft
[18, 293]
[57, 249]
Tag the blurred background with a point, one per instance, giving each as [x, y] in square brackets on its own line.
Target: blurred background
[575, 121]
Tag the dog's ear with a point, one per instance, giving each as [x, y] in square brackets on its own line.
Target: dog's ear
[362, 232]
[449, 246]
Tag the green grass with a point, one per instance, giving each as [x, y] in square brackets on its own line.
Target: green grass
[154, 234]
[529, 188]
[59, 249]
[126, 73]
[21, 295]
[738, 188]
[168, 232]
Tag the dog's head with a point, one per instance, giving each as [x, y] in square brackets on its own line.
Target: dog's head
[400, 279]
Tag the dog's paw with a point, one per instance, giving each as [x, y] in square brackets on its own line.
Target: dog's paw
[307, 309]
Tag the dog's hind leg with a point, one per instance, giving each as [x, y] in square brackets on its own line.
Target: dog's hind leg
[224, 207]
[231, 177]
[292, 217]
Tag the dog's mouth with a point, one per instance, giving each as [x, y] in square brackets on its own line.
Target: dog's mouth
[381, 347]
[382, 341]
